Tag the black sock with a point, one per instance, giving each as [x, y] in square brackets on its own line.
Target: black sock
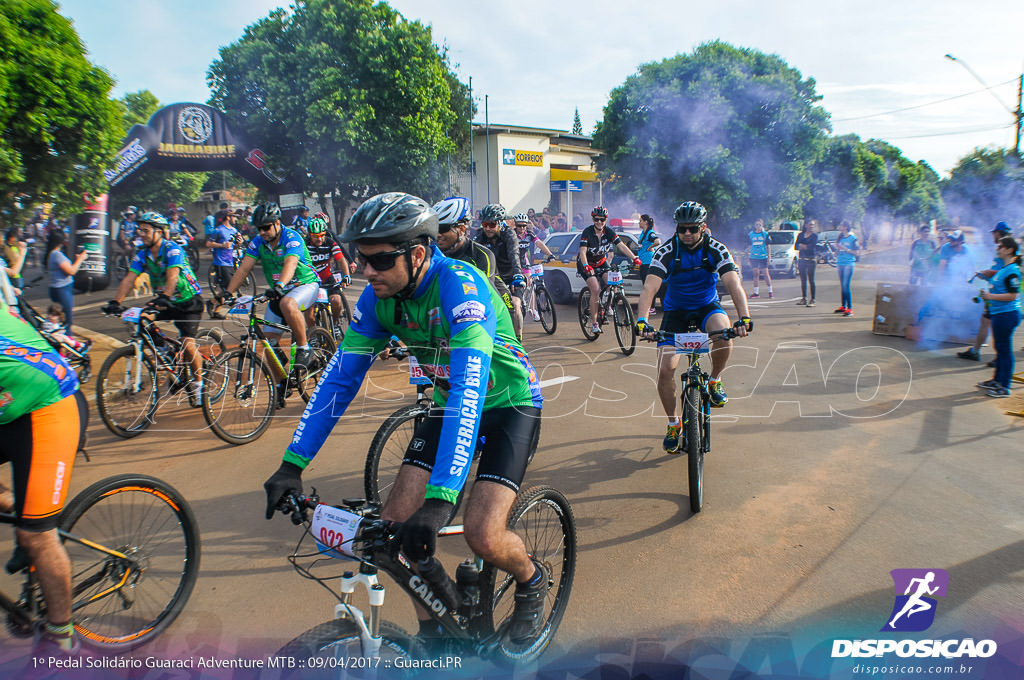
[533, 580]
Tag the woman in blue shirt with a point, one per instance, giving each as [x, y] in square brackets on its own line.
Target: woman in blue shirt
[61, 271]
[846, 247]
[647, 244]
[1003, 302]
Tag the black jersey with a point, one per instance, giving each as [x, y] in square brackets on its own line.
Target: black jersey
[598, 247]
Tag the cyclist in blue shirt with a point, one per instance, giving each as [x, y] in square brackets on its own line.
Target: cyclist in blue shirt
[691, 262]
[846, 258]
[222, 241]
[300, 223]
[759, 257]
[1002, 301]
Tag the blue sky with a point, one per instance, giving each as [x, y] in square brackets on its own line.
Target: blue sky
[537, 61]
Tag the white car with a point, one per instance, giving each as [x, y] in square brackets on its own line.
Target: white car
[782, 253]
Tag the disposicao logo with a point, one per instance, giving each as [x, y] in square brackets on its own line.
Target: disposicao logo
[913, 611]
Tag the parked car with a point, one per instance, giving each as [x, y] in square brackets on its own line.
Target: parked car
[782, 253]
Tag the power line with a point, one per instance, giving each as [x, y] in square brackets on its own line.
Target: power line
[920, 106]
[954, 132]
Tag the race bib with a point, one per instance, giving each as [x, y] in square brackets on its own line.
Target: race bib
[537, 270]
[241, 305]
[333, 530]
[614, 277]
[416, 374]
[321, 295]
[687, 343]
[338, 276]
[131, 315]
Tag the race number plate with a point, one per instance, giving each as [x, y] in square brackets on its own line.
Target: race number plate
[416, 374]
[537, 270]
[338, 276]
[614, 277]
[333, 530]
[131, 315]
[241, 305]
[687, 343]
[321, 295]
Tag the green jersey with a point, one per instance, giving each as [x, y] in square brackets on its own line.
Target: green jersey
[32, 374]
[272, 259]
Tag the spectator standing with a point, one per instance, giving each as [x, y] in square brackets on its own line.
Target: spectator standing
[846, 258]
[61, 270]
[1003, 303]
[647, 244]
[1001, 230]
[922, 255]
[14, 252]
[807, 261]
[758, 255]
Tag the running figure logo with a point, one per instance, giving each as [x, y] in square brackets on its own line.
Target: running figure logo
[914, 610]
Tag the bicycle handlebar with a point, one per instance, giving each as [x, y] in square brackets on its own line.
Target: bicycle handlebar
[658, 336]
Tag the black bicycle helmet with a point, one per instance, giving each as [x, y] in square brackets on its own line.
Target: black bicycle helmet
[690, 212]
[599, 211]
[394, 217]
[493, 212]
[265, 213]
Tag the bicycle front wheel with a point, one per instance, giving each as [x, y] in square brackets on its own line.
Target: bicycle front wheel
[126, 392]
[322, 347]
[694, 450]
[238, 396]
[546, 310]
[339, 647]
[622, 316]
[122, 602]
[583, 309]
[543, 519]
[387, 450]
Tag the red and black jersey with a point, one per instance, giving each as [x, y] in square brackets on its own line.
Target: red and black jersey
[322, 255]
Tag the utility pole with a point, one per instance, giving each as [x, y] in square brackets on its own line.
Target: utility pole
[1020, 112]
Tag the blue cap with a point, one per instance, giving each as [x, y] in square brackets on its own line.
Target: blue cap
[1002, 227]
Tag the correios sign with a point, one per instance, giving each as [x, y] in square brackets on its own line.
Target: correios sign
[521, 157]
[189, 137]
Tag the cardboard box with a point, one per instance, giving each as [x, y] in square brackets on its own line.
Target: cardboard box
[927, 314]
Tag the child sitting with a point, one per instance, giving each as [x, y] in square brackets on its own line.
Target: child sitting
[54, 325]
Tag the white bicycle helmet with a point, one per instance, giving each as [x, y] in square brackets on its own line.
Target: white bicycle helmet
[521, 218]
[452, 210]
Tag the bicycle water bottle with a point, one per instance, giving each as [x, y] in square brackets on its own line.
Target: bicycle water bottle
[467, 581]
[432, 571]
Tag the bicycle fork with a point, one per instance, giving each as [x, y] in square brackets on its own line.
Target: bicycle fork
[368, 633]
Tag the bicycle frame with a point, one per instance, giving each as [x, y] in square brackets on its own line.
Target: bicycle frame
[142, 339]
[254, 333]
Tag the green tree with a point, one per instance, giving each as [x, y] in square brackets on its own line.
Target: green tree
[345, 95]
[986, 186]
[60, 128]
[734, 128]
[842, 180]
[153, 190]
[577, 124]
[906, 193]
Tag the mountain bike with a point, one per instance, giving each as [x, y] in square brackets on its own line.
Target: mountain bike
[244, 386]
[134, 546]
[127, 386]
[324, 317]
[248, 286]
[473, 610]
[695, 432]
[826, 253]
[612, 304]
[537, 296]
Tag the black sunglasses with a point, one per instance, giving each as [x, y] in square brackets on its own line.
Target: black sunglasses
[443, 229]
[688, 229]
[600, 219]
[382, 261]
[265, 227]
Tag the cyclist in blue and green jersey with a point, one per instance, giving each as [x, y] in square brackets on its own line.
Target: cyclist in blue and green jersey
[289, 271]
[458, 328]
[758, 255]
[39, 435]
[180, 296]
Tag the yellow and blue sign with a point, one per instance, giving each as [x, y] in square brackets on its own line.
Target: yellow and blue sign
[521, 157]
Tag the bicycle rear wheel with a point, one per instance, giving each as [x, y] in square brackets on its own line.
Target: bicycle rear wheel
[546, 309]
[120, 603]
[322, 348]
[126, 394]
[694, 450]
[583, 310]
[543, 519]
[387, 450]
[622, 317]
[238, 396]
[340, 646]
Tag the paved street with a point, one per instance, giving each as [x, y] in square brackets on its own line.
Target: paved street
[841, 456]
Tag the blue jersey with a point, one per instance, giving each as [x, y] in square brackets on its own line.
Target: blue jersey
[758, 245]
[1006, 280]
[692, 274]
[843, 258]
[224, 257]
[645, 245]
[169, 256]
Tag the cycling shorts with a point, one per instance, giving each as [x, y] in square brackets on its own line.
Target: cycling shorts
[304, 294]
[599, 270]
[510, 437]
[41, 447]
[683, 320]
[185, 315]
